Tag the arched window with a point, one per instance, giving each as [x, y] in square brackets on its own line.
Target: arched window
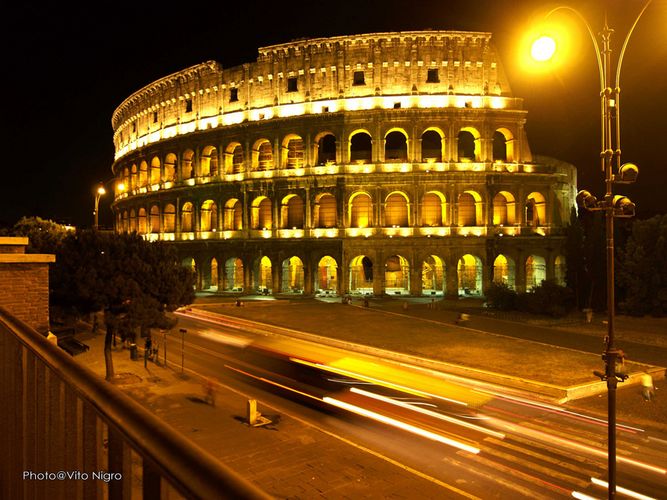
[326, 149]
[467, 210]
[503, 145]
[234, 274]
[292, 152]
[535, 210]
[361, 275]
[208, 163]
[503, 209]
[261, 213]
[504, 271]
[361, 148]
[234, 158]
[187, 218]
[361, 210]
[142, 223]
[470, 275]
[432, 147]
[536, 271]
[324, 211]
[327, 274]
[292, 212]
[209, 216]
[264, 156]
[133, 220]
[397, 275]
[434, 209]
[468, 145]
[170, 167]
[134, 177]
[433, 276]
[169, 218]
[143, 174]
[264, 280]
[292, 275]
[395, 147]
[233, 215]
[155, 170]
[155, 219]
[188, 171]
[396, 210]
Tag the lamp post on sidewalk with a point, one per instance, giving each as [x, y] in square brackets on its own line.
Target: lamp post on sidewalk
[612, 205]
[98, 194]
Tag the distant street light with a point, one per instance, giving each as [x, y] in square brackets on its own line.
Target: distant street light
[613, 206]
[98, 194]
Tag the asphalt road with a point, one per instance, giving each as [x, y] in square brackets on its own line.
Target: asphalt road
[518, 447]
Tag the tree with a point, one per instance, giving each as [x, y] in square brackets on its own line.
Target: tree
[133, 281]
[641, 270]
[44, 236]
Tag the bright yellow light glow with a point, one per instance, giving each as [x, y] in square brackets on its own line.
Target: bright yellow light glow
[401, 425]
[621, 490]
[101, 191]
[543, 48]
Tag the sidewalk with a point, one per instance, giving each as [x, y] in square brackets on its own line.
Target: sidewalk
[288, 459]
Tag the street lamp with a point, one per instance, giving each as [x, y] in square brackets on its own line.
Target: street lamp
[612, 205]
[98, 194]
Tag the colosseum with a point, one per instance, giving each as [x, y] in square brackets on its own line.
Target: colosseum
[384, 163]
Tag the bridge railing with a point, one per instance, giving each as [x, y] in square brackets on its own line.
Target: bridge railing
[67, 434]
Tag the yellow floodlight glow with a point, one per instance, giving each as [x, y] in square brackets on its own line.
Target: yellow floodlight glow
[543, 49]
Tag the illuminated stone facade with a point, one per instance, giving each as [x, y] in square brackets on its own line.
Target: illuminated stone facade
[382, 163]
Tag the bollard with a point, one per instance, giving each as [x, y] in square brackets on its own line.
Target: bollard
[252, 411]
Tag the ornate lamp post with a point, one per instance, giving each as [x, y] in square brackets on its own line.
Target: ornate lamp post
[612, 205]
[98, 194]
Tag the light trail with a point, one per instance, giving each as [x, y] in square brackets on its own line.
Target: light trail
[624, 491]
[400, 425]
[430, 413]
[390, 385]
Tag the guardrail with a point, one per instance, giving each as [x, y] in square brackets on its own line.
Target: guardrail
[67, 434]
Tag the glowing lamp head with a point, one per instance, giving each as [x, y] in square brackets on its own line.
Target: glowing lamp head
[543, 48]
[101, 191]
[121, 187]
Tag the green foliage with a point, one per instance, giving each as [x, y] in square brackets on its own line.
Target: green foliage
[547, 298]
[44, 236]
[501, 296]
[641, 268]
[122, 274]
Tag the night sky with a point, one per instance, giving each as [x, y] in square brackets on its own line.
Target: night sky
[67, 68]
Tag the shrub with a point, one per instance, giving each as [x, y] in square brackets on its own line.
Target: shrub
[547, 298]
[501, 296]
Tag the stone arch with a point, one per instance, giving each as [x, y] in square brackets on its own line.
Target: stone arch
[504, 209]
[262, 155]
[234, 275]
[469, 270]
[292, 152]
[361, 275]
[325, 148]
[536, 209]
[292, 212]
[503, 145]
[143, 173]
[360, 210]
[126, 178]
[360, 147]
[208, 161]
[504, 271]
[292, 275]
[126, 221]
[397, 209]
[234, 158]
[208, 218]
[142, 225]
[536, 271]
[396, 145]
[433, 276]
[170, 162]
[434, 209]
[133, 220]
[213, 281]
[187, 217]
[325, 211]
[169, 218]
[156, 170]
[432, 145]
[264, 275]
[261, 213]
[134, 177]
[397, 275]
[154, 224]
[469, 144]
[470, 209]
[326, 279]
[233, 220]
[187, 167]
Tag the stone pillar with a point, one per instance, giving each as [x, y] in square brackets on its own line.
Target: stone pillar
[452, 278]
[415, 279]
[308, 278]
[276, 276]
[378, 275]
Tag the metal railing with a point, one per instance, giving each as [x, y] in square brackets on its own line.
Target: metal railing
[67, 434]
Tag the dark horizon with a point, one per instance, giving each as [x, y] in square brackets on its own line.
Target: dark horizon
[69, 69]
